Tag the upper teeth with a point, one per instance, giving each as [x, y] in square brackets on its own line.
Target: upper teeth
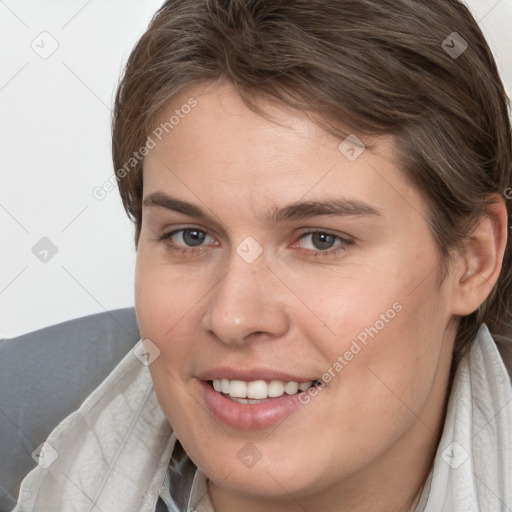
[258, 389]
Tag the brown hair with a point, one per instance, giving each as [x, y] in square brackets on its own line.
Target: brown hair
[379, 66]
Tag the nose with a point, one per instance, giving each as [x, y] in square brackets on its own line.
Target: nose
[248, 302]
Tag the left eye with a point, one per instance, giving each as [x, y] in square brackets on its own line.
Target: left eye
[320, 241]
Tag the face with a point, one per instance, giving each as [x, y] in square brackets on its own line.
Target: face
[270, 257]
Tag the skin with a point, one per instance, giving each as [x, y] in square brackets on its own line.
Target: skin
[366, 441]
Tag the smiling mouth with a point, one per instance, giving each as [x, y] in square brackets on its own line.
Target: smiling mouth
[257, 391]
[256, 404]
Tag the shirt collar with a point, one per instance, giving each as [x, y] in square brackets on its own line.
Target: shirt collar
[199, 500]
[188, 484]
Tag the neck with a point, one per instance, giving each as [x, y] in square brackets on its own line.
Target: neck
[365, 492]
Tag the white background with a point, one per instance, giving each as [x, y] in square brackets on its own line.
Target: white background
[55, 149]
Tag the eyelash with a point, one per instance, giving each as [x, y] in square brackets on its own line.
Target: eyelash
[342, 246]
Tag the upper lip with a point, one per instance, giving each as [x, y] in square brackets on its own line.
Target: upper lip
[250, 374]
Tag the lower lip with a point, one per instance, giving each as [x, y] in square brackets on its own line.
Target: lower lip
[249, 416]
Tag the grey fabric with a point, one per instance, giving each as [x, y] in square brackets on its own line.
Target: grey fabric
[44, 376]
[180, 477]
[161, 506]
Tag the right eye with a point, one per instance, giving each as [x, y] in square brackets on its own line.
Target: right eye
[187, 239]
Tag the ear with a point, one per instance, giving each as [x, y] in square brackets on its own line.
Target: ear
[477, 269]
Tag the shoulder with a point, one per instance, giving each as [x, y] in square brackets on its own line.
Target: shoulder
[45, 375]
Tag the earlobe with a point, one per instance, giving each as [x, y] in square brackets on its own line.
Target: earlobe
[479, 267]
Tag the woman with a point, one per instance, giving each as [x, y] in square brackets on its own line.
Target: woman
[319, 197]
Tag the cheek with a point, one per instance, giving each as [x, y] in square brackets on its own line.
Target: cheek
[164, 303]
[164, 297]
[168, 308]
[163, 320]
[382, 336]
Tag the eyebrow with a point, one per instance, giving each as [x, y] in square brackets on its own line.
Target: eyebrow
[294, 211]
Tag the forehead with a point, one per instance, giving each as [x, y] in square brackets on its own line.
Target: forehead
[221, 150]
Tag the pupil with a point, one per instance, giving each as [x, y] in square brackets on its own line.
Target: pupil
[323, 240]
[193, 237]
